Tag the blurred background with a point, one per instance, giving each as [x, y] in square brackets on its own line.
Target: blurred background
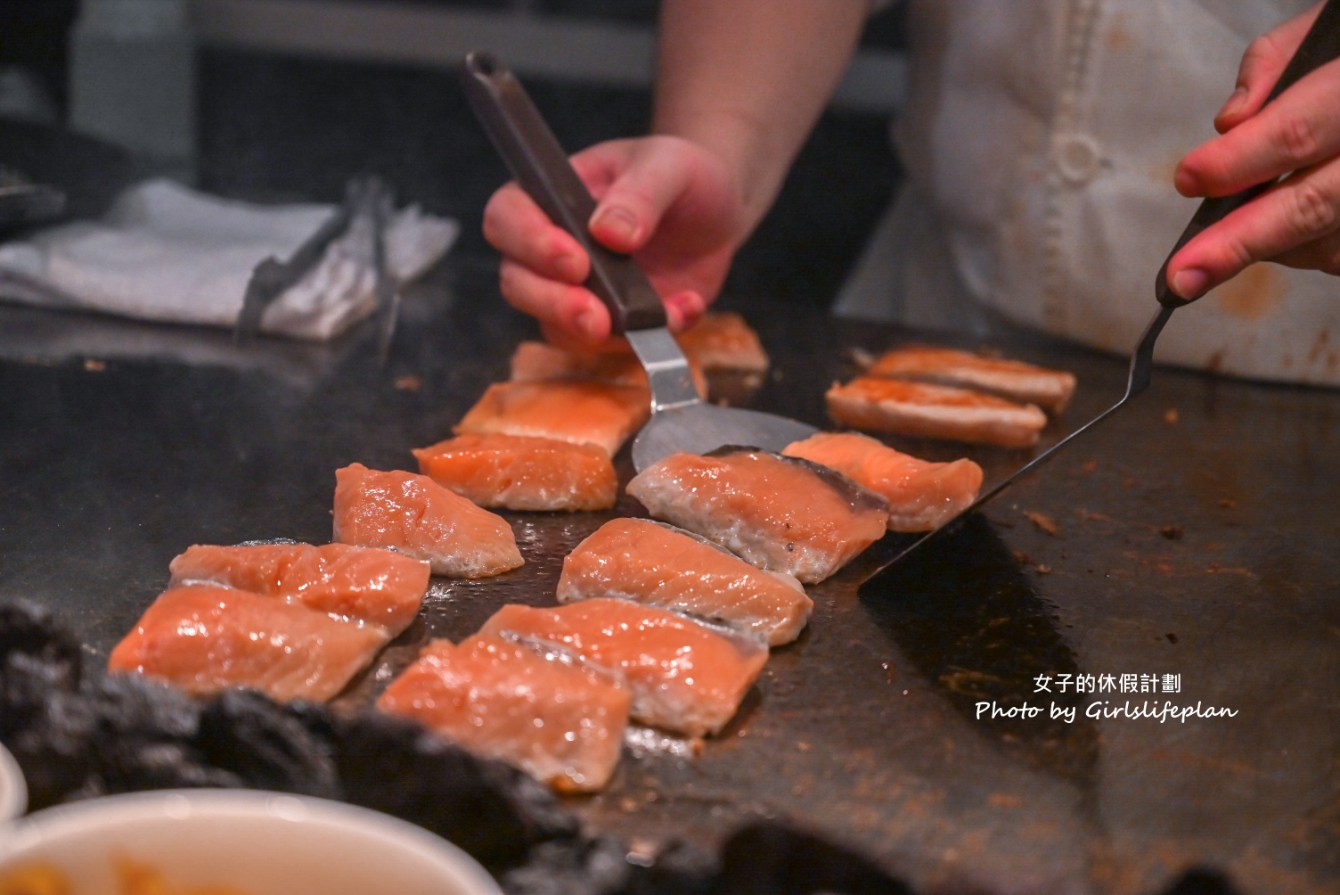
[287, 99]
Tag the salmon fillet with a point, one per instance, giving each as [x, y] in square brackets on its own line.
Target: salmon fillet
[580, 411]
[361, 584]
[921, 494]
[722, 340]
[1012, 379]
[658, 565]
[933, 411]
[539, 361]
[559, 721]
[413, 515]
[205, 638]
[685, 676]
[779, 513]
[522, 472]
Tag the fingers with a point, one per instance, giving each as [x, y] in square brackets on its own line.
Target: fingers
[1265, 59]
[560, 307]
[516, 227]
[1296, 130]
[1296, 222]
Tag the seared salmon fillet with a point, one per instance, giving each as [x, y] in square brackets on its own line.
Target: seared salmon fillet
[921, 494]
[659, 565]
[722, 340]
[540, 361]
[559, 721]
[205, 638]
[923, 410]
[363, 584]
[522, 472]
[1018, 381]
[685, 676]
[779, 513]
[580, 411]
[414, 515]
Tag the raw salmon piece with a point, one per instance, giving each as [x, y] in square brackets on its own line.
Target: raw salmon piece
[540, 361]
[722, 340]
[1012, 379]
[658, 565]
[414, 515]
[205, 638]
[580, 411]
[777, 512]
[559, 721]
[362, 584]
[522, 472]
[921, 494]
[933, 411]
[685, 677]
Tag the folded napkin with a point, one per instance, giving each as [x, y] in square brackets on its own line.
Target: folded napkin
[168, 253]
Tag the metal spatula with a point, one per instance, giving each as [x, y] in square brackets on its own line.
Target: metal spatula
[1321, 45]
[680, 419]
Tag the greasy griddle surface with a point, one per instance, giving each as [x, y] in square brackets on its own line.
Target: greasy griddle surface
[1180, 537]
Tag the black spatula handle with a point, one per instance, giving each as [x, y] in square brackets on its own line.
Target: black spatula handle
[540, 165]
[1319, 46]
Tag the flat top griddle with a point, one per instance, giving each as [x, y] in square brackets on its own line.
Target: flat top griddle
[1180, 555]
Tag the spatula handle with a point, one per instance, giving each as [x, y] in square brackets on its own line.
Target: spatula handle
[541, 167]
[1319, 46]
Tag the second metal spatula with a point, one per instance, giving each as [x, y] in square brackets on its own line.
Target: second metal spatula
[680, 419]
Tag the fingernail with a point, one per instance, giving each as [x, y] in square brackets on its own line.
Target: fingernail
[586, 325]
[1234, 103]
[1187, 183]
[689, 306]
[1190, 283]
[617, 222]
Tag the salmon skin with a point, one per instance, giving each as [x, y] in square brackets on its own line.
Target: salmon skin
[685, 677]
[362, 584]
[559, 721]
[204, 638]
[580, 411]
[923, 410]
[659, 565]
[522, 472]
[779, 513]
[1003, 377]
[920, 494]
[411, 514]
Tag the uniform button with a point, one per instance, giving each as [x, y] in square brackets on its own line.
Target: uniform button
[1077, 157]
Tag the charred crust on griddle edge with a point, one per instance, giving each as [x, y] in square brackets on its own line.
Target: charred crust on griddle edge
[78, 738]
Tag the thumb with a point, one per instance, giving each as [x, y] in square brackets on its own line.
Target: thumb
[632, 206]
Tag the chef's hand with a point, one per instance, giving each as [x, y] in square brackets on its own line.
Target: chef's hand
[1296, 222]
[666, 201]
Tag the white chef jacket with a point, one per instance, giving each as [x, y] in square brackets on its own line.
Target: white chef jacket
[1039, 140]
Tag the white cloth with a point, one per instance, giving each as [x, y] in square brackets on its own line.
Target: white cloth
[1039, 146]
[168, 253]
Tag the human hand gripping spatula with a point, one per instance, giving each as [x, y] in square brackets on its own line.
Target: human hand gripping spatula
[1319, 46]
[680, 419]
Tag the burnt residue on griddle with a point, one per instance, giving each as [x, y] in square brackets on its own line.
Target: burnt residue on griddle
[965, 615]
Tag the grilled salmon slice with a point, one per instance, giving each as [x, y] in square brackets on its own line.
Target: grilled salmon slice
[659, 565]
[580, 411]
[923, 410]
[362, 584]
[1016, 380]
[921, 494]
[724, 341]
[685, 676]
[779, 513]
[414, 515]
[559, 721]
[539, 361]
[205, 638]
[522, 472]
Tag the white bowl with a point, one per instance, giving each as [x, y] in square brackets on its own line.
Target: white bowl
[13, 790]
[256, 842]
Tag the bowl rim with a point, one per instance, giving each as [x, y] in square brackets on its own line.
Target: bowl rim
[89, 814]
[13, 786]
